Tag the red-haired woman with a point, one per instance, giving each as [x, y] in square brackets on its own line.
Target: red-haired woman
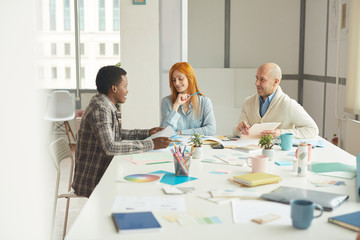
[187, 114]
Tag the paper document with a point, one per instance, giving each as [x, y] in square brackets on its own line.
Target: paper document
[244, 211]
[166, 132]
[151, 158]
[257, 128]
[133, 203]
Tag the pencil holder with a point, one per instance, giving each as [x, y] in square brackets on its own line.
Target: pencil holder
[182, 165]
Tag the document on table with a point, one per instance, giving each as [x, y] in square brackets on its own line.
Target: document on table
[137, 203]
[257, 128]
[166, 132]
[245, 210]
[151, 158]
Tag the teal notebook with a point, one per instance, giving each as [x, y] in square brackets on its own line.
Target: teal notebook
[350, 221]
[334, 169]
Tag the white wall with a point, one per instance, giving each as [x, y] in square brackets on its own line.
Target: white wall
[265, 31]
[315, 37]
[25, 173]
[227, 89]
[140, 58]
[206, 33]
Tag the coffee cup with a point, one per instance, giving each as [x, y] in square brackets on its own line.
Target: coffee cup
[286, 141]
[258, 163]
[302, 213]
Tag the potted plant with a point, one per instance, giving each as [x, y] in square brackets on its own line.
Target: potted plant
[197, 144]
[267, 143]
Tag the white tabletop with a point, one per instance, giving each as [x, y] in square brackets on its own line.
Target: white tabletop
[94, 221]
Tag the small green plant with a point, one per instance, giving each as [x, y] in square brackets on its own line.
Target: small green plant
[196, 140]
[266, 141]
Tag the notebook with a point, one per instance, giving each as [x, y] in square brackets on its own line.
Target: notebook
[135, 221]
[350, 221]
[327, 200]
[255, 179]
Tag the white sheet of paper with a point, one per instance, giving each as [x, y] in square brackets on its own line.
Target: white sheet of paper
[257, 128]
[245, 210]
[137, 203]
[166, 132]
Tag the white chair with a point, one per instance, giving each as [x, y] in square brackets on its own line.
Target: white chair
[61, 109]
[60, 150]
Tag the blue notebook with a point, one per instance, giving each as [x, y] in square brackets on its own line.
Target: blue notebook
[350, 221]
[135, 221]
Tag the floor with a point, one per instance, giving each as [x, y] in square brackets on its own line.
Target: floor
[75, 204]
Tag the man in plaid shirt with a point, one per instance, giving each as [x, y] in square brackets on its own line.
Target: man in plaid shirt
[100, 136]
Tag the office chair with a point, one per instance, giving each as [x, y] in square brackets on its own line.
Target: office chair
[60, 150]
[61, 109]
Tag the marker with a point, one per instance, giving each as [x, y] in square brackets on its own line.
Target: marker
[194, 94]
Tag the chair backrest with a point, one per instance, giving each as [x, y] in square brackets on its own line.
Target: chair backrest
[60, 150]
[60, 106]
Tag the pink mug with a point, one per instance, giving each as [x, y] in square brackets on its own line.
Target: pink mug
[258, 163]
[309, 152]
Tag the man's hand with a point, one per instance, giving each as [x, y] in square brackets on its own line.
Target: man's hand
[275, 133]
[161, 142]
[243, 128]
[155, 130]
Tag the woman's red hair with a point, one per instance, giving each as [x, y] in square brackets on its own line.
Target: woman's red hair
[186, 69]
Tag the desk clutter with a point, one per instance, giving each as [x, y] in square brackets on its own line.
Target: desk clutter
[245, 194]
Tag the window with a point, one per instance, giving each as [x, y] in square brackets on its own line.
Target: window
[102, 49]
[67, 73]
[53, 49]
[116, 49]
[82, 49]
[67, 48]
[52, 15]
[116, 16]
[102, 15]
[82, 73]
[97, 47]
[81, 15]
[41, 73]
[67, 15]
[54, 73]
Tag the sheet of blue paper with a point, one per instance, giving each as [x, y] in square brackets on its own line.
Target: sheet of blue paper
[314, 142]
[283, 163]
[171, 179]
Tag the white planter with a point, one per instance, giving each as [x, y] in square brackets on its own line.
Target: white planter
[198, 153]
[269, 153]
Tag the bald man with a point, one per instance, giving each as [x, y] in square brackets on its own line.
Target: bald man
[271, 104]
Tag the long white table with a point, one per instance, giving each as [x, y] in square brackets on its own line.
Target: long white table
[94, 221]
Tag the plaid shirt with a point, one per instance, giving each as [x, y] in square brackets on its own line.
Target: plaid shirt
[99, 139]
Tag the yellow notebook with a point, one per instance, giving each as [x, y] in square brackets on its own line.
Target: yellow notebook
[255, 179]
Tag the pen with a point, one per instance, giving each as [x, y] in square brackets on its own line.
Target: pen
[242, 130]
[194, 94]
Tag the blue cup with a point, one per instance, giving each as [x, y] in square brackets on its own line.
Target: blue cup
[286, 141]
[302, 213]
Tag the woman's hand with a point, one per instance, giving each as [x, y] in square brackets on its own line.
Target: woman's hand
[180, 100]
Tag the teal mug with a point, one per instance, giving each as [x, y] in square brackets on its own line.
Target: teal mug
[286, 141]
[302, 213]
